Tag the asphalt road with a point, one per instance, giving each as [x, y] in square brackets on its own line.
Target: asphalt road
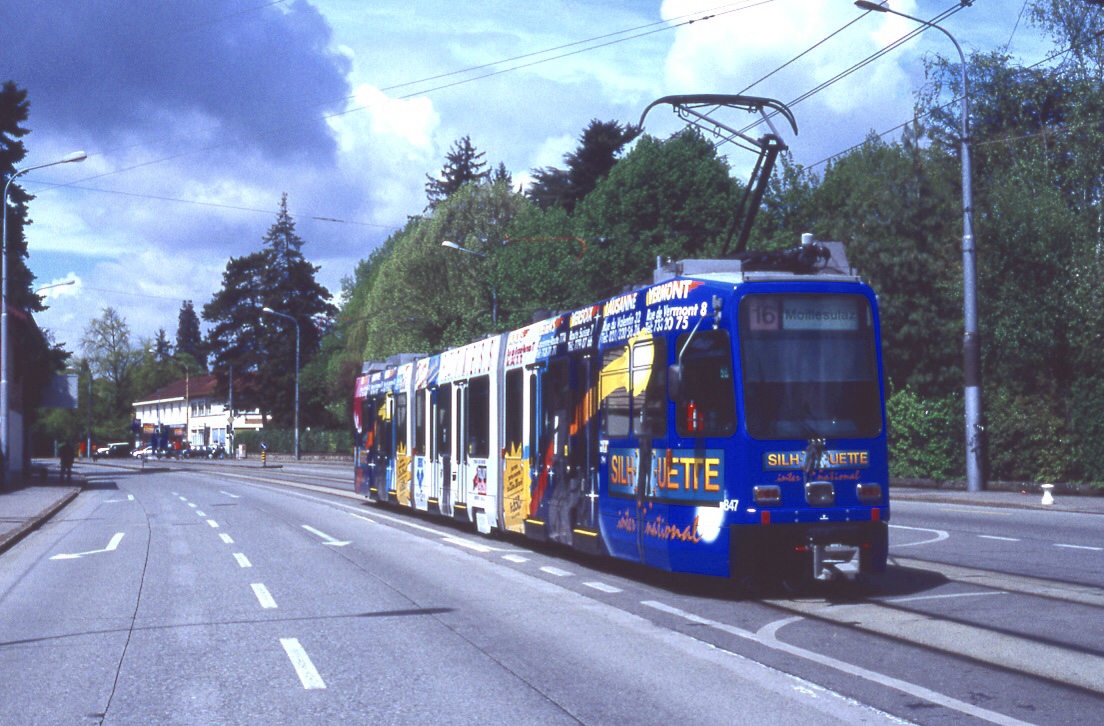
[200, 594]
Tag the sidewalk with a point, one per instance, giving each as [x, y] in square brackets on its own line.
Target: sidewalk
[23, 510]
[1023, 499]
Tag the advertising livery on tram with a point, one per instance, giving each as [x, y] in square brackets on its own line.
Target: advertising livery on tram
[726, 420]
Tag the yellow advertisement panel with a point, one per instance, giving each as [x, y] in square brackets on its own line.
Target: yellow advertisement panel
[515, 491]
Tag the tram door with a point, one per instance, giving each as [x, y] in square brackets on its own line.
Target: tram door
[385, 451]
[554, 450]
[441, 438]
[456, 482]
[515, 466]
[423, 441]
[583, 460]
[534, 513]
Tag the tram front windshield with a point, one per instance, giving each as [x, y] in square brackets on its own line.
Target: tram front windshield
[810, 367]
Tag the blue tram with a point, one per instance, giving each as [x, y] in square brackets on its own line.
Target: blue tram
[727, 419]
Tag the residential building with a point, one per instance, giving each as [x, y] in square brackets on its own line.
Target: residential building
[188, 410]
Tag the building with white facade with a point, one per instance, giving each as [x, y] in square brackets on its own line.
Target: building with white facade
[188, 410]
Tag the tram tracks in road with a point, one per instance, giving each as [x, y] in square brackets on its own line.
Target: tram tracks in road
[903, 618]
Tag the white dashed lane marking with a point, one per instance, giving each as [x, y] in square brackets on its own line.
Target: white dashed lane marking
[556, 571]
[263, 595]
[308, 674]
[602, 586]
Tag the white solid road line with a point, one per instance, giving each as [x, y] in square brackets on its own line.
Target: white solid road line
[308, 674]
[940, 535]
[464, 543]
[327, 538]
[111, 546]
[263, 595]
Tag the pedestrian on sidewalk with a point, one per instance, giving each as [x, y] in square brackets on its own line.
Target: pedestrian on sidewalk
[65, 455]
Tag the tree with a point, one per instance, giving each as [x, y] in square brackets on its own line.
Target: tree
[14, 112]
[189, 340]
[669, 198]
[462, 166]
[599, 147]
[161, 348]
[112, 360]
[280, 278]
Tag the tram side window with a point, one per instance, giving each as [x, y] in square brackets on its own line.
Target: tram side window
[400, 423]
[556, 407]
[649, 386]
[479, 417]
[707, 401]
[419, 423]
[383, 426]
[515, 391]
[615, 392]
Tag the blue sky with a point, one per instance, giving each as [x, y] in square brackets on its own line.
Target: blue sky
[198, 116]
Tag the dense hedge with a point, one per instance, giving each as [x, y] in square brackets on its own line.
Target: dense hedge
[282, 441]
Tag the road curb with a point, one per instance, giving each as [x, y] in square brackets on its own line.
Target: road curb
[10, 539]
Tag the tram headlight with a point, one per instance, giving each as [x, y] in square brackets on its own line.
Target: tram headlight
[869, 493]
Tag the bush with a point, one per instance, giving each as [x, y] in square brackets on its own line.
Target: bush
[1026, 439]
[926, 437]
[311, 441]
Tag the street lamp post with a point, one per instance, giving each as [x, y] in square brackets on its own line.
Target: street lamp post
[88, 442]
[494, 288]
[971, 343]
[5, 353]
[270, 311]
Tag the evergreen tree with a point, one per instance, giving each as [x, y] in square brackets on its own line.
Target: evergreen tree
[462, 165]
[502, 175]
[189, 340]
[14, 112]
[599, 146]
[161, 347]
[280, 278]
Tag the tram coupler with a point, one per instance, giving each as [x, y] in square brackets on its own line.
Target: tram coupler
[833, 561]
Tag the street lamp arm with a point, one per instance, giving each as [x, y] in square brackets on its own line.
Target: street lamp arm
[873, 7]
[452, 245]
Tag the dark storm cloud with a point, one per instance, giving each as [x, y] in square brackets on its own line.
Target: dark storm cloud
[114, 71]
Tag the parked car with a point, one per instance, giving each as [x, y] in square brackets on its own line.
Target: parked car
[117, 450]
